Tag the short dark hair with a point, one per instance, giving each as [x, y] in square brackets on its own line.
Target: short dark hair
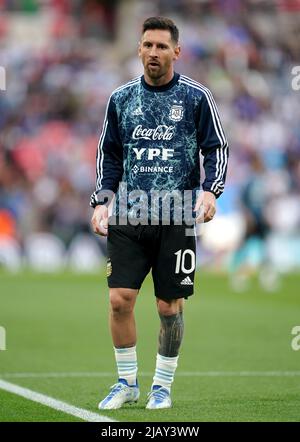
[162, 23]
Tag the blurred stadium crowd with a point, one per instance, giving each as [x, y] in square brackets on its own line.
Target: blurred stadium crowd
[62, 60]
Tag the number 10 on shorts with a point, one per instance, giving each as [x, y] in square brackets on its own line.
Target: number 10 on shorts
[181, 261]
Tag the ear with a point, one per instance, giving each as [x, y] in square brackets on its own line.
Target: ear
[177, 52]
[139, 49]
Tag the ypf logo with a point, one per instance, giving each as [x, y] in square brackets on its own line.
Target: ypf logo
[2, 338]
[2, 79]
[151, 154]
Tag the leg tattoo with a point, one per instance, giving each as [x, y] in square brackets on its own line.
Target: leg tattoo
[171, 333]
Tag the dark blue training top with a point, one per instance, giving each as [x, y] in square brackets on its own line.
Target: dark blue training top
[152, 137]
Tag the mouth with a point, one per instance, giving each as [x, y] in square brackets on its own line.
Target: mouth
[153, 64]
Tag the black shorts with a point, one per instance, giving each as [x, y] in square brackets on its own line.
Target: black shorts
[167, 250]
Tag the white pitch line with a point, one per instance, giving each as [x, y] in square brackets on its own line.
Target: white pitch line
[97, 374]
[239, 373]
[68, 374]
[81, 413]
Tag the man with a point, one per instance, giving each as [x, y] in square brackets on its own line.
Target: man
[154, 128]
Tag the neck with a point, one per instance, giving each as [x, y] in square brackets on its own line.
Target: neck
[165, 79]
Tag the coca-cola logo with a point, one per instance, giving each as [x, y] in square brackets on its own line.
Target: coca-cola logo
[161, 132]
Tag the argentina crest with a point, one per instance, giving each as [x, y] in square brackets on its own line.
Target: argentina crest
[176, 112]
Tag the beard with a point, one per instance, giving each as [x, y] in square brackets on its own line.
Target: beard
[155, 73]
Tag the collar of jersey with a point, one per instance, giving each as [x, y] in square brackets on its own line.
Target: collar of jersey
[164, 87]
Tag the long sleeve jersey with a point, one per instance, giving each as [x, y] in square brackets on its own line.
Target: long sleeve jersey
[152, 138]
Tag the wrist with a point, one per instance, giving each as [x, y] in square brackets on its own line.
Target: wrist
[210, 191]
[101, 207]
[103, 201]
[101, 204]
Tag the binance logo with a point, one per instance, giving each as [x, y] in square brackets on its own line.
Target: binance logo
[108, 268]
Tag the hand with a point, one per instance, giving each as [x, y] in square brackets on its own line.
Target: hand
[206, 205]
[100, 220]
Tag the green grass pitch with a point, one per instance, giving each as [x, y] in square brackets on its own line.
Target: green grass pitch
[58, 324]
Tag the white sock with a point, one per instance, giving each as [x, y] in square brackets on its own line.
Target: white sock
[127, 364]
[164, 371]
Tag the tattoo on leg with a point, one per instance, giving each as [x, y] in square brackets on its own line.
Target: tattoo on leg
[171, 334]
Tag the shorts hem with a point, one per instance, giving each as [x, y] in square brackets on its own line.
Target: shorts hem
[174, 296]
[123, 286]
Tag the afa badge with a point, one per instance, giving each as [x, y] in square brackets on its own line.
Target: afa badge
[176, 112]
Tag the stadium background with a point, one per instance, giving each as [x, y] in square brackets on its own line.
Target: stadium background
[61, 60]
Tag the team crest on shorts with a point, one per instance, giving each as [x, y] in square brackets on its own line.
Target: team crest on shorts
[108, 268]
[176, 112]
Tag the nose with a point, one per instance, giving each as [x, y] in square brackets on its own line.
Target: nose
[153, 51]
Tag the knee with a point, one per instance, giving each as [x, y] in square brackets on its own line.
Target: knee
[168, 308]
[121, 301]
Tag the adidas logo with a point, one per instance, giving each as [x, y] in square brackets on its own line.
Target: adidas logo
[137, 112]
[187, 281]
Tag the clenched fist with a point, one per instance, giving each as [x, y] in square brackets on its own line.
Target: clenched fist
[99, 220]
[206, 206]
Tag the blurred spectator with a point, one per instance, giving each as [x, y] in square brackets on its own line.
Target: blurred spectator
[57, 86]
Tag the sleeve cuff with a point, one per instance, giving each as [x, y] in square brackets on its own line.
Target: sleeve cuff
[102, 198]
[217, 192]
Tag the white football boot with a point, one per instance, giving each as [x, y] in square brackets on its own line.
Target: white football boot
[121, 393]
[159, 397]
